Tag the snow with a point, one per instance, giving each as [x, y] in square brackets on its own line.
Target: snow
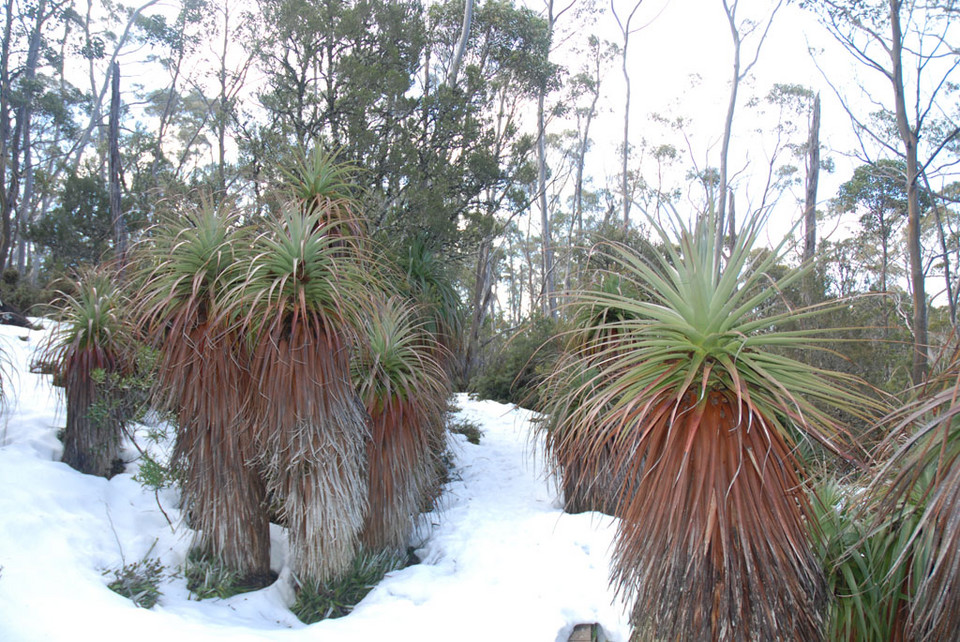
[500, 559]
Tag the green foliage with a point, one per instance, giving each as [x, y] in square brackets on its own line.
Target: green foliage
[431, 159]
[512, 371]
[22, 295]
[208, 577]
[79, 231]
[867, 562]
[428, 282]
[139, 582]
[337, 597]
[674, 383]
[469, 429]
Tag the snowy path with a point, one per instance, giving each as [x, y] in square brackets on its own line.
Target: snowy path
[501, 561]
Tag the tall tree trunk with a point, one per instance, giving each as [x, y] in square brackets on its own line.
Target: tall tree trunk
[482, 291]
[116, 214]
[549, 302]
[625, 31]
[813, 178]
[26, 116]
[909, 139]
[727, 130]
[5, 107]
[461, 44]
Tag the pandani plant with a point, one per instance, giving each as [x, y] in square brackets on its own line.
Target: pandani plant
[404, 388]
[915, 505]
[592, 484]
[299, 304]
[426, 281]
[690, 396]
[93, 342]
[203, 378]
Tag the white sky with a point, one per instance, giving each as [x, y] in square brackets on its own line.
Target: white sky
[681, 64]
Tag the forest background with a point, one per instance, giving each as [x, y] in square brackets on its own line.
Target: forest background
[509, 139]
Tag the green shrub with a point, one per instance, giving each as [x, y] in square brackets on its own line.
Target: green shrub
[139, 581]
[512, 371]
[337, 597]
[469, 429]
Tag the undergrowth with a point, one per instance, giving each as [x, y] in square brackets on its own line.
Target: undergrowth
[338, 597]
[139, 581]
[469, 429]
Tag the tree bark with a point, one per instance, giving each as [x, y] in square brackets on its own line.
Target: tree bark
[909, 138]
[727, 130]
[5, 98]
[813, 177]
[549, 299]
[25, 112]
[462, 43]
[116, 214]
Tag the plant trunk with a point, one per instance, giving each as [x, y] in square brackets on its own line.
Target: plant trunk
[462, 44]
[313, 435]
[725, 146]
[482, 292]
[91, 439]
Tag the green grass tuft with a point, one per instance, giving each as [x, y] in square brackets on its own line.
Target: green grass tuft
[207, 577]
[338, 597]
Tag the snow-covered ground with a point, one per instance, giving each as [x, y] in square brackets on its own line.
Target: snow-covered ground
[501, 561]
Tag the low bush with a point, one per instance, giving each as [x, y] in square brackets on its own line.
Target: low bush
[512, 371]
[469, 429]
[337, 597]
[139, 581]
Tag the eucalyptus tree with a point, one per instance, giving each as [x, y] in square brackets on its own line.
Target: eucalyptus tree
[908, 46]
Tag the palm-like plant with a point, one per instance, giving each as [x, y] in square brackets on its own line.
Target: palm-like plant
[918, 496]
[93, 342]
[300, 304]
[202, 378]
[592, 483]
[404, 388]
[320, 185]
[428, 283]
[870, 572]
[693, 402]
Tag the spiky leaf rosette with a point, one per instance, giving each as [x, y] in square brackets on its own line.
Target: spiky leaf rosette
[699, 405]
[301, 299]
[404, 388]
[922, 479]
[202, 377]
[93, 340]
[429, 284]
[322, 186]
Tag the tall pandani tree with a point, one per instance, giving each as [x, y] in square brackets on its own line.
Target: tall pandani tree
[404, 388]
[203, 378]
[301, 303]
[687, 394]
[92, 343]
